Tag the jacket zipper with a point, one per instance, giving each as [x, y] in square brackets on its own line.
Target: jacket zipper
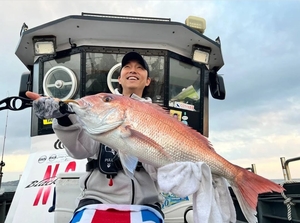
[132, 187]
[86, 179]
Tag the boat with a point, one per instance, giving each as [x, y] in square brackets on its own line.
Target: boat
[80, 55]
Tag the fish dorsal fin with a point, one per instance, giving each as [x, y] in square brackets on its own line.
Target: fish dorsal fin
[153, 105]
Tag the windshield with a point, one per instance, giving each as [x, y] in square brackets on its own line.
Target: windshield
[98, 66]
[87, 73]
[61, 77]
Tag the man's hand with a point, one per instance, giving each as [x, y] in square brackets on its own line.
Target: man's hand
[32, 95]
[45, 107]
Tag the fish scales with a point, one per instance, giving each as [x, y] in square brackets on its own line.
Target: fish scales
[172, 135]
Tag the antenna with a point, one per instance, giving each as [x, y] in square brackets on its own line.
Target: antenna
[2, 164]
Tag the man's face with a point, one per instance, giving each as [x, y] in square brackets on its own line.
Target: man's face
[134, 76]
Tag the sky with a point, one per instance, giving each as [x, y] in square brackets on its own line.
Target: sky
[257, 123]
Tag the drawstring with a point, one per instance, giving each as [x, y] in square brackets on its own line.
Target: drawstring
[110, 183]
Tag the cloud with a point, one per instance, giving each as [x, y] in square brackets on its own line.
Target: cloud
[256, 123]
[14, 166]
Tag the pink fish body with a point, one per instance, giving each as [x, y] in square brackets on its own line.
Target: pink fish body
[146, 132]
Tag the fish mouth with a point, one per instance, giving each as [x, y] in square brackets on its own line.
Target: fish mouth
[81, 103]
[70, 101]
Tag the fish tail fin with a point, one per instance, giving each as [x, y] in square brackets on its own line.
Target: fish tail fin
[246, 187]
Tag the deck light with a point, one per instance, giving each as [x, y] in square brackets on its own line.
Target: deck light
[44, 45]
[200, 54]
[196, 23]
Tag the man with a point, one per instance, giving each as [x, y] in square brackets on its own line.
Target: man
[105, 186]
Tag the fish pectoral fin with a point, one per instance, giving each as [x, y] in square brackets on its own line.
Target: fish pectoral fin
[132, 137]
[101, 128]
[129, 164]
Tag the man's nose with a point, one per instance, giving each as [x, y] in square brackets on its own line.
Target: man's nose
[132, 70]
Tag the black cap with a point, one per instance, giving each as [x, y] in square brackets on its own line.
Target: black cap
[137, 57]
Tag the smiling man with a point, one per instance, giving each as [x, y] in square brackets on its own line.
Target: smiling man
[134, 75]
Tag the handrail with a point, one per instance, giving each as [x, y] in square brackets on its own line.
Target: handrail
[285, 167]
[252, 168]
[126, 17]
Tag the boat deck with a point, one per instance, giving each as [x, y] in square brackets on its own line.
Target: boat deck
[273, 207]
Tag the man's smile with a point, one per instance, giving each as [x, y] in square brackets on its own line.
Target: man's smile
[132, 78]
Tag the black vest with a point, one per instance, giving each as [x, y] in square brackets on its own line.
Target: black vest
[108, 162]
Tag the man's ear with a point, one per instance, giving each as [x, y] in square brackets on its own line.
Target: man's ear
[148, 81]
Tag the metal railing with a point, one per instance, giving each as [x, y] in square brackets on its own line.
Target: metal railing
[285, 167]
[126, 17]
[252, 168]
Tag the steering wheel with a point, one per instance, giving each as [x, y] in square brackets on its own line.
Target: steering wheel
[109, 79]
[60, 82]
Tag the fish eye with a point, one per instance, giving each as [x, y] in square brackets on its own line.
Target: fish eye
[107, 98]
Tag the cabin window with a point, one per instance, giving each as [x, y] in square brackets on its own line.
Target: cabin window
[61, 77]
[98, 66]
[157, 74]
[184, 90]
